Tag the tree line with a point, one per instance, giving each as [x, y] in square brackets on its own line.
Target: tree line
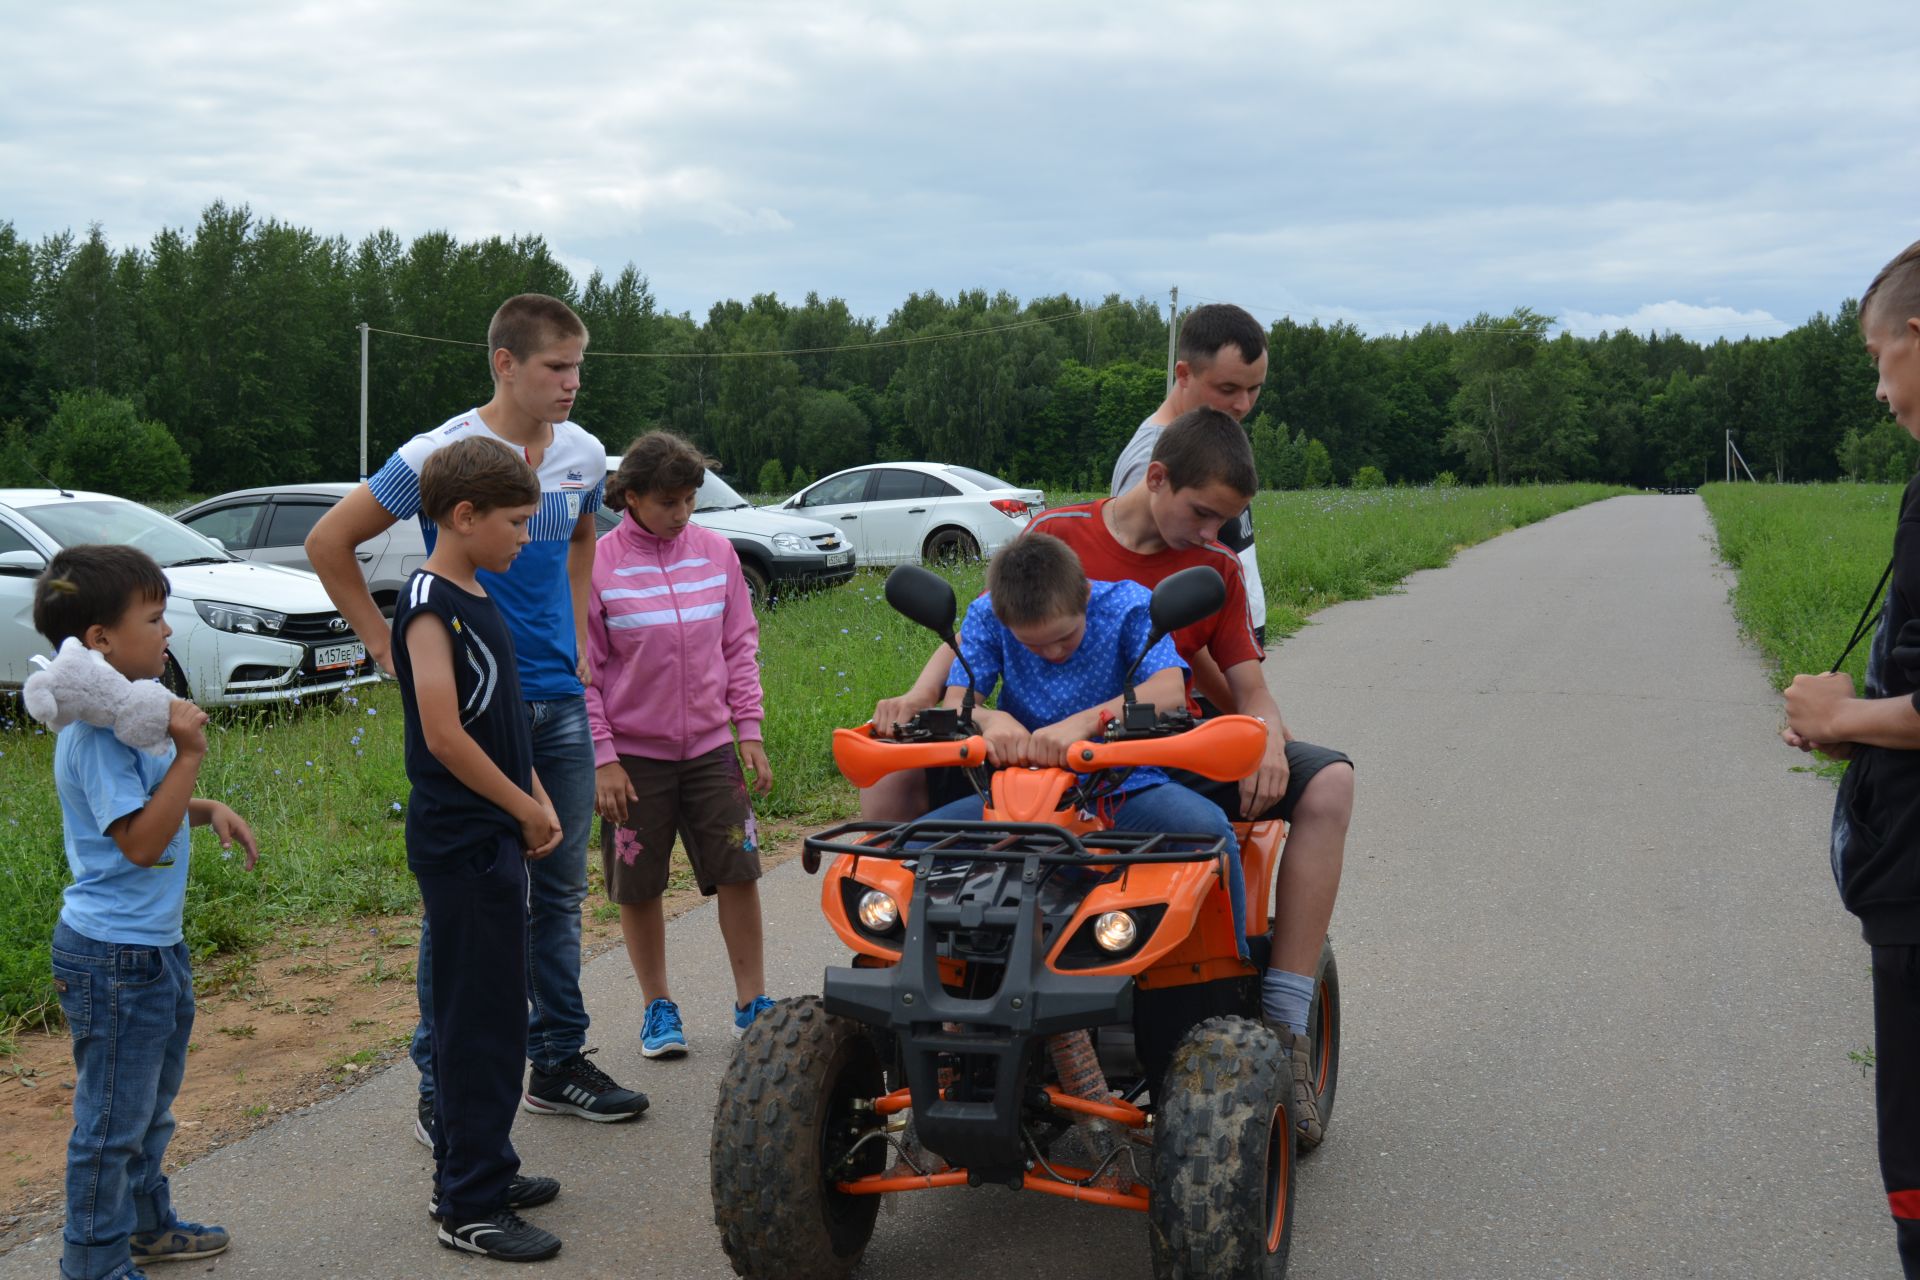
[228, 355]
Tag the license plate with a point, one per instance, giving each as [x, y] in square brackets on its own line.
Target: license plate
[838, 558]
[339, 655]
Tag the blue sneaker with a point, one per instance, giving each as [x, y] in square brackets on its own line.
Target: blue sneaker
[660, 1033]
[743, 1017]
[180, 1242]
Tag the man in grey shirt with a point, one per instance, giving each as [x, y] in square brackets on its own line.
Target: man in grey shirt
[1221, 361]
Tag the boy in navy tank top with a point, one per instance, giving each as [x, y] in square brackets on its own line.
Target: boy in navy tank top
[477, 814]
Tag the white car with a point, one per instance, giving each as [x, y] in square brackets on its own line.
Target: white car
[778, 553]
[241, 632]
[270, 525]
[906, 512]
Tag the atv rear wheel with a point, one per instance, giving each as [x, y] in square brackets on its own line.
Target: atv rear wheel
[781, 1134]
[1323, 1024]
[1223, 1143]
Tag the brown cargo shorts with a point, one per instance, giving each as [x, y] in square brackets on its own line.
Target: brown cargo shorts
[704, 802]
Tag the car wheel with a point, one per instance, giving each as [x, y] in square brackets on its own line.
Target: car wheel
[174, 680]
[756, 583]
[951, 546]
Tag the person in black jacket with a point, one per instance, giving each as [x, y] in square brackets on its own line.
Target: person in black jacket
[1876, 817]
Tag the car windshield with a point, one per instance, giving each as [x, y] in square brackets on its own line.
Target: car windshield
[72, 524]
[717, 495]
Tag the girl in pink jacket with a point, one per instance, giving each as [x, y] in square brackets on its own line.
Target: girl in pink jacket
[672, 640]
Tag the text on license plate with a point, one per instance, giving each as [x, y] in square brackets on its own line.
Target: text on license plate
[330, 656]
[838, 558]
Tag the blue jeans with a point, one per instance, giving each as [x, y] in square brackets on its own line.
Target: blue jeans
[557, 886]
[1167, 807]
[130, 1011]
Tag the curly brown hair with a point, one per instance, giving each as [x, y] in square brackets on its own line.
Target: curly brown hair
[658, 462]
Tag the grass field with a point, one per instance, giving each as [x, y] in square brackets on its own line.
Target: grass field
[324, 788]
[1807, 556]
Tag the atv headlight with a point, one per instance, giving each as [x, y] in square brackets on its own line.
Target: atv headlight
[1115, 931]
[791, 543]
[241, 618]
[878, 911]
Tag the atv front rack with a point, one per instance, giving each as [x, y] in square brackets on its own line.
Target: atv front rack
[975, 1122]
[975, 841]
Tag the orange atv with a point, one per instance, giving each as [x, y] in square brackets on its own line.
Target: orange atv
[1018, 978]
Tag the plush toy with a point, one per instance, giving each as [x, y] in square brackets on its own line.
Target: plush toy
[79, 685]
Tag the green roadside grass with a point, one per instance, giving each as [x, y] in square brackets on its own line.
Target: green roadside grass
[325, 790]
[1807, 557]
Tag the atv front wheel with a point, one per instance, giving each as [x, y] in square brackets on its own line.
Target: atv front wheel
[783, 1129]
[1223, 1157]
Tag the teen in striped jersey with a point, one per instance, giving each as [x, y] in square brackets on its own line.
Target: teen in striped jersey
[535, 348]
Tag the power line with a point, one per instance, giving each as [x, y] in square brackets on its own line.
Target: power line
[914, 340]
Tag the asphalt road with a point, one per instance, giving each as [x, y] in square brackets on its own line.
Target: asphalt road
[1599, 991]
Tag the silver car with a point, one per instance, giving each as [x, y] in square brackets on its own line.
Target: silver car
[270, 526]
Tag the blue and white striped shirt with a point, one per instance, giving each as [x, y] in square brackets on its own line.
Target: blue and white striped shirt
[534, 595]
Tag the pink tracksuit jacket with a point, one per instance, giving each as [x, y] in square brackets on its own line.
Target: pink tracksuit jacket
[671, 642]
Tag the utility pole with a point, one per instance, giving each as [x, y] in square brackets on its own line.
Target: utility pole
[1173, 330]
[363, 399]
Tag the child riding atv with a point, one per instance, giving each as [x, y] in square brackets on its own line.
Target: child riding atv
[1049, 912]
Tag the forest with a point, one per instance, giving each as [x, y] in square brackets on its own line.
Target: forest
[228, 355]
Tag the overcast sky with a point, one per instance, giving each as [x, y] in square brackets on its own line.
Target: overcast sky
[1711, 168]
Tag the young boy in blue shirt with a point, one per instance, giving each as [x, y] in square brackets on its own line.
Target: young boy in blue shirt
[1059, 648]
[476, 815]
[120, 963]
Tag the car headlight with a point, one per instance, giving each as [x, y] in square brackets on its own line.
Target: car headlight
[791, 543]
[241, 618]
[878, 911]
[1114, 931]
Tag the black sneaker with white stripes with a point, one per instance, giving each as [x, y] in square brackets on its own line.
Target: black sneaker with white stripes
[578, 1088]
[424, 1123]
[522, 1193]
[504, 1236]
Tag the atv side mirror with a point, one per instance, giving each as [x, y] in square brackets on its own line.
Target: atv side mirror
[1180, 600]
[922, 596]
[1186, 597]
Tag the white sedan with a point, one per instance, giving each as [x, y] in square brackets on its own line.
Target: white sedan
[241, 632]
[906, 512]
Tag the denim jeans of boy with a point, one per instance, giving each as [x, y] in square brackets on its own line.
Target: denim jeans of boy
[130, 1011]
[557, 886]
[1167, 807]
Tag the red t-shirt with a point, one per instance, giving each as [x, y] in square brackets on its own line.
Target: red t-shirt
[1227, 635]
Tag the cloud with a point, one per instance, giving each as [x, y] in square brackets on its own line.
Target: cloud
[1388, 162]
[1701, 324]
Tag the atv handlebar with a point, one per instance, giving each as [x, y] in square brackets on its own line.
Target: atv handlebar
[1225, 749]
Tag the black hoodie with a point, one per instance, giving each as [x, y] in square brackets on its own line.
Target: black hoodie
[1876, 817]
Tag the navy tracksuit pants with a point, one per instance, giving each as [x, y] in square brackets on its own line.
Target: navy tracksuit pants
[1896, 1083]
[476, 908]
